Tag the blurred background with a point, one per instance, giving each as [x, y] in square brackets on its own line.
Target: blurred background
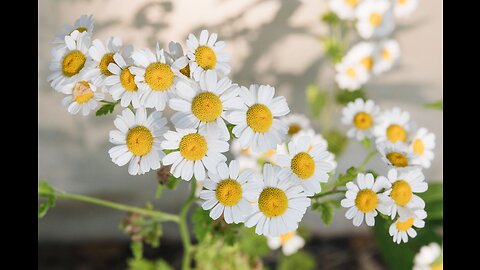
[270, 42]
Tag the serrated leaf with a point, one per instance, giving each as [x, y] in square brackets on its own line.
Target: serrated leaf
[105, 109]
[137, 249]
[300, 260]
[350, 175]
[345, 96]
[437, 105]
[337, 141]
[327, 212]
[316, 99]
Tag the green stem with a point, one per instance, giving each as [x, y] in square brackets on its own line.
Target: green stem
[184, 233]
[367, 159]
[333, 191]
[161, 216]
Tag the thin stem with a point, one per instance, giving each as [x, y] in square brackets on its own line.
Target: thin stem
[333, 191]
[184, 233]
[367, 159]
[161, 216]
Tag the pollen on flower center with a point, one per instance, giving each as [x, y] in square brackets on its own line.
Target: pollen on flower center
[82, 92]
[294, 129]
[193, 146]
[418, 147]
[81, 29]
[127, 79]
[205, 57]
[259, 118]
[401, 192]
[103, 65]
[159, 76]
[367, 62]
[405, 225]
[73, 62]
[386, 54]
[362, 120]
[272, 202]
[186, 70]
[396, 133]
[229, 192]
[351, 3]
[351, 72]
[303, 165]
[139, 140]
[397, 159]
[207, 106]
[284, 238]
[375, 19]
[366, 200]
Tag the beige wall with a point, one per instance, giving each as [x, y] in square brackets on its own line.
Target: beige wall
[269, 41]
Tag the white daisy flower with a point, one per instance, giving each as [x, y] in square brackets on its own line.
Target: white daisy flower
[362, 116]
[401, 188]
[374, 18]
[290, 242]
[228, 192]
[305, 166]
[422, 144]
[175, 51]
[206, 53]
[387, 56]
[315, 139]
[205, 104]
[256, 123]
[364, 53]
[350, 75]
[193, 152]
[296, 122]
[398, 155]
[70, 60]
[401, 229]
[82, 96]
[345, 9]
[248, 163]
[82, 24]
[363, 199]
[156, 76]
[281, 204]
[429, 258]
[392, 125]
[404, 8]
[102, 56]
[138, 140]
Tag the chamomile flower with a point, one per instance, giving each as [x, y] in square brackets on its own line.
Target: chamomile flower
[205, 104]
[138, 140]
[361, 115]
[281, 204]
[392, 126]
[296, 123]
[256, 123]
[315, 139]
[397, 155]
[175, 51]
[345, 9]
[402, 186]
[363, 199]
[404, 8]
[363, 53]
[429, 258]
[156, 76]
[388, 54]
[70, 60]
[350, 75]
[228, 192]
[422, 144]
[82, 24]
[102, 56]
[206, 53]
[193, 152]
[374, 18]
[305, 166]
[290, 242]
[402, 228]
[81, 96]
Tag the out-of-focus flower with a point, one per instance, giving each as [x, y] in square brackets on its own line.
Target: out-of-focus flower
[423, 143]
[296, 122]
[351, 75]
[345, 9]
[374, 18]
[404, 8]
[83, 24]
[82, 96]
[387, 54]
[429, 258]
[290, 242]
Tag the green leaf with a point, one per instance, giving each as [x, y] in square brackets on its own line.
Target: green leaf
[433, 198]
[47, 191]
[44, 188]
[43, 209]
[137, 249]
[327, 212]
[172, 183]
[162, 265]
[253, 244]
[316, 99]
[106, 109]
[343, 179]
[437, 105]
[230, 130]
[202, 223]
[333, 48]
[337, 141]
[300, 260]
[331, 18]
[345, 96]
[144, 264]
[367, 143]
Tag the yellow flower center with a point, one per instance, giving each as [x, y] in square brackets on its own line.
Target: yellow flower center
[159, 76]
[403, 226]
[418, 147]
[351, 72]
[246, 151]
[272, 202]
[81, 29]
[396, 133]
[259, 118]
[103, 65]
[268, 153]
[139, 140]
[186, 70]
[293, 129]
[229, 192]
[362, 120]
[127, 79]
[193, 146]
[375, 19]
[73, 62]
[366, 200]
[205, 57]
[438, 266]
[284, 238]
[82, 92]
[397, 159]
[207, 106]
[351, 3]
[303, 165]
[367, 62]
[386, 54]
[402, 2]
[401, 192]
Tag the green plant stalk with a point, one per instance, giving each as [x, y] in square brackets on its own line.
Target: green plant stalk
[184, 233]
[367, 159]
[331, 192]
